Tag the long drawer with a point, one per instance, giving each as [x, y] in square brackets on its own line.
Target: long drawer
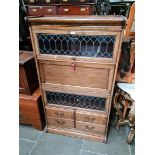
[91, 117]
[59, 122]
[60, 112]
[90, 127]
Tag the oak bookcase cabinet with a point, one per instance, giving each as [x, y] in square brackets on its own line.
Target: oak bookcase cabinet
[77, 59]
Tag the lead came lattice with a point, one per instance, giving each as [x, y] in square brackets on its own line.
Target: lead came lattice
[76, 45]
[88, 102]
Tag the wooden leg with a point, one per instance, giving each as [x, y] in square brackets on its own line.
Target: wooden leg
[131, 135]
[131, 118]
[121, 105]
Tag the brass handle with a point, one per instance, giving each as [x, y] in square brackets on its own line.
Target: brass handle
[49, 10]
[59, 114]
[31, 1]
[89, 119]
[48, 1]
[92, 119]
[66, 10]
[83, 9]
[90, 128]
[34, 10]
[60, 122]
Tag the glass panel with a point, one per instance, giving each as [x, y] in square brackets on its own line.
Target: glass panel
[88, 102]
[76, 45]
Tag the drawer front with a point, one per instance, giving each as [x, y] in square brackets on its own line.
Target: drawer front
[59, 122]
[60, 112]
[75, 10]
[35, 11]
[49, 10]
[90, 127]
[76, 74]
[91, 117]
[41, 10]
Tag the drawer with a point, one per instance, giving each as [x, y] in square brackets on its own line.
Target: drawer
[90, 127]
[60, 112]
[76, 10]
[91, 117]
[59, 122]
[41, 10]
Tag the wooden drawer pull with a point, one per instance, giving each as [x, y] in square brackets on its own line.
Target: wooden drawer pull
[49, 10]
[34, 10]
[90, 128]
[66, 10]
[83, 9]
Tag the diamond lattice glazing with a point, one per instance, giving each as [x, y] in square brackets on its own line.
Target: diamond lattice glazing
[88, 102]
[76, 45]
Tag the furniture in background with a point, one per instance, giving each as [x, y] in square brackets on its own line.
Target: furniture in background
[31, 110]
[124, 103]
[127, 59]
[130, 24]
[60, 7]
[28, 79]
[30, 103]
[77, 59]
[126, 69]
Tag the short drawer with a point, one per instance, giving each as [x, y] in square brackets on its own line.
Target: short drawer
[90, 127]
[60, 112]
[75, 10]
[92, 117]
[41, 10]
[59, 122]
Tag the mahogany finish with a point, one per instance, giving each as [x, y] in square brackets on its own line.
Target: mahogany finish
[31, 110]
[77, 89]
[28, 80]
[42, 10]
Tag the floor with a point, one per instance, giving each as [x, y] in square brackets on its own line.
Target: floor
[34, 142]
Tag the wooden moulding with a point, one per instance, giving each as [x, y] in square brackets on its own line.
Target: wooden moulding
[77, 134]
[82, 20]
[77, 90]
